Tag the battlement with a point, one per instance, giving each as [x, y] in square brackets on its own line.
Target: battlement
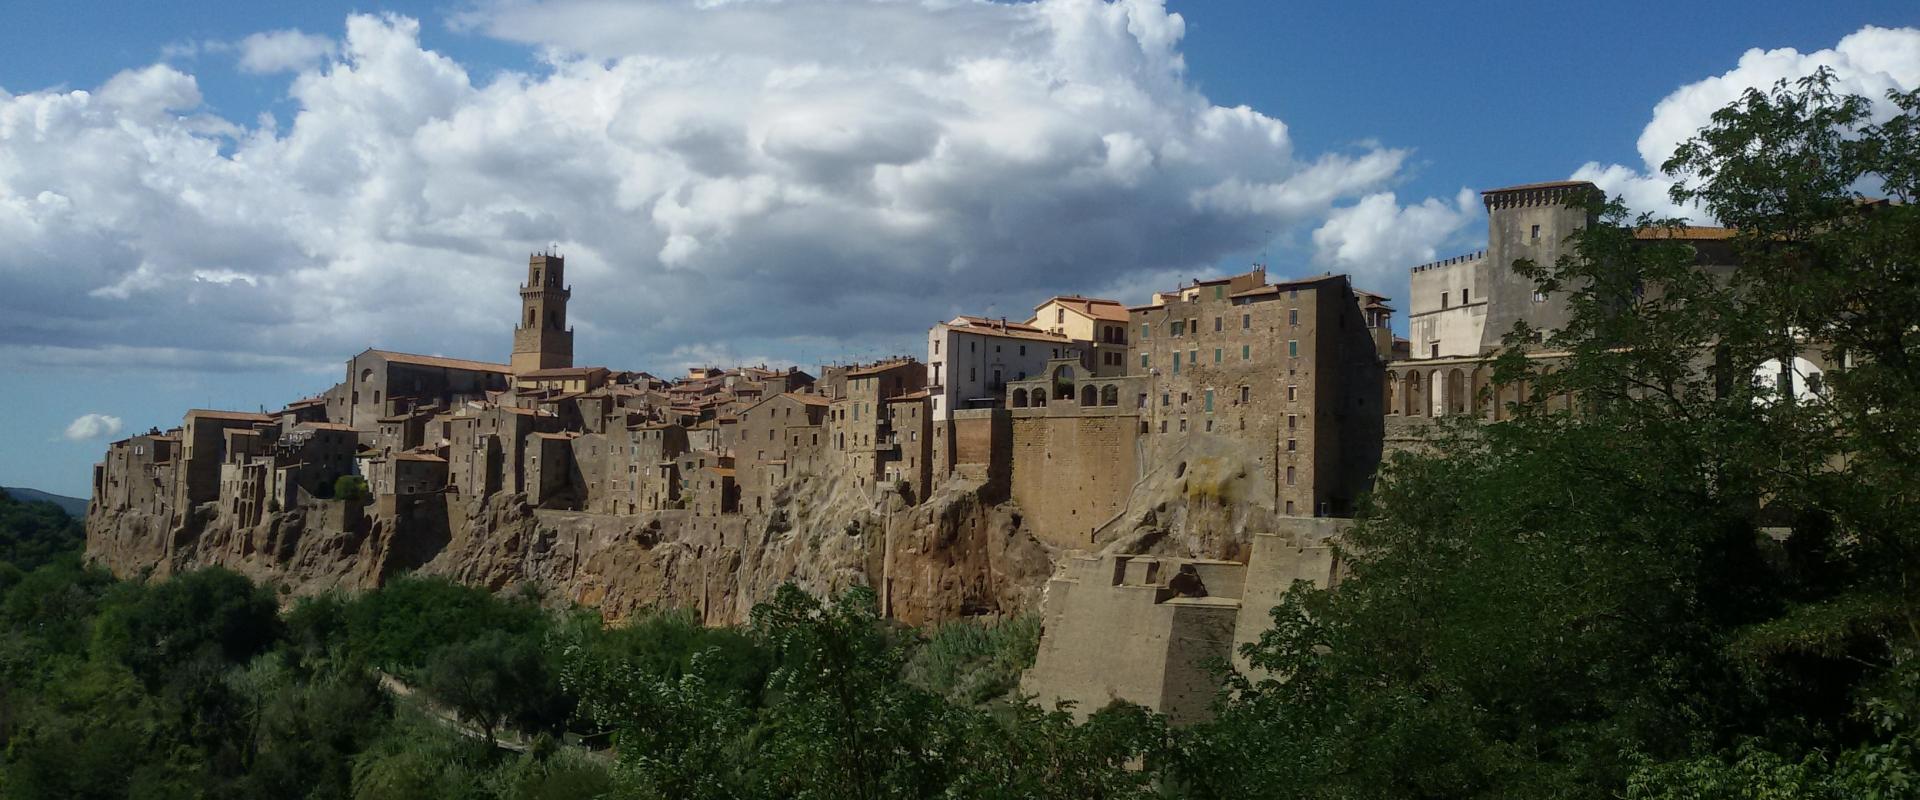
[1448, 262]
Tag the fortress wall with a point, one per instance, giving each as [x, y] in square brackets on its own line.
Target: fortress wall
[1070, 474]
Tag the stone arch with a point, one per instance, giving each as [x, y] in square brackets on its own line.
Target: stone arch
[1456, 392]
[1089, 396]
[1386, 398]
[1063, 382]
[1410, 394]
[1437, 392]
[1039, 398]
[1019, 398]
[1477, 391]
[1109, 395]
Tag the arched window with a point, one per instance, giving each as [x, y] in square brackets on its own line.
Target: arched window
[530, 317]
[1089, 395]
[1019, 398]
[1456, 392]
[1109, 395]
[1040, 398]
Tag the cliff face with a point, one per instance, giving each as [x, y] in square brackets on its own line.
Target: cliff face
[955, 554]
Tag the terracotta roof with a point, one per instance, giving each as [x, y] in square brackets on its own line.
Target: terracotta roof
[1095, 307]
[919, 395]
[441, 361]
[1542, 185]
[1685, 233]
[327, 426]
[427, 457]
[808, 399]
[996, 323]
[562, 372]
[567, 435]
[1013, 330]
[237, 416]
[883, 366]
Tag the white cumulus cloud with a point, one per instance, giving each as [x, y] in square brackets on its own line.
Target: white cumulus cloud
[283, 51]
[93, 426]
[1377, 240]
[800, 179]
[1868, 62]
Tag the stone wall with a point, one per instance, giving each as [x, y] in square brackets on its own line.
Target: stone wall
[1072, 470]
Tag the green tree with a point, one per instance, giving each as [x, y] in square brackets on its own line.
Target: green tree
[351, 488]
[1693, 575]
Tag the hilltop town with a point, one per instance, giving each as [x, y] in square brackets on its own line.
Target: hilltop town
[1156, 469]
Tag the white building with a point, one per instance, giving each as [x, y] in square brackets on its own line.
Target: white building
[970, 360]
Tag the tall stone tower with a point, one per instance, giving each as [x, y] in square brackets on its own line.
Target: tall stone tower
[542, 340]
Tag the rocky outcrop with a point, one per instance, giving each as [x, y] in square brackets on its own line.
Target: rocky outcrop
[957, 553]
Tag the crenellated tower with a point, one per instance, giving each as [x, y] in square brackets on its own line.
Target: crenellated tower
[542, 340]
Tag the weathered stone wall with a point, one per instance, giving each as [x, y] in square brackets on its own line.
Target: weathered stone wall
[1072, 471]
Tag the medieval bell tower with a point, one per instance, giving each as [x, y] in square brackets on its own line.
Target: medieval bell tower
[542, 340]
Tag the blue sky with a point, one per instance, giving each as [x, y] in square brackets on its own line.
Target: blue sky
[786, 182]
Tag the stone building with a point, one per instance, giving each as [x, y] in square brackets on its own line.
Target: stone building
[203, 449]
[859, 427]
[542, 340]
[1291, 372]
[138, 474]
[382, 384]
[779, 440]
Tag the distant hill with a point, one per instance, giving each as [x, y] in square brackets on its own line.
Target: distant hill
[74, 506]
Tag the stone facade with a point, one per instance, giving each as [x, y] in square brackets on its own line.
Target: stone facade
[1150, 630]
[1291, 372]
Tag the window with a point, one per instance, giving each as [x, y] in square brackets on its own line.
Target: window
[1219, 292]
[1246, 322]
[1166, 399]
[1209, 424]
[1023, 349]
[1536, 232]
[1216, 355]
[936, 347]
[973, 346]
[1293, 445]
[1207, 400]
[1059, 316]
[1539, 296]
[1184, 397]
[1183, 424]
[1246, 352]
[1293, 422]
[996, 348]
[1193, 356]
[1179, 327]
[973, 374]
[1293, 316]
[1289, 508]
[1293, 294]
[1436, 350]
[1293, 348]
[1144, 360]
[1216, 324]
[1289, 478]
[1176, 363]
[1163, 426]
[1443, 301]
[1145, 329]
[1293, 393]
[1246, 393]
[1463, 297]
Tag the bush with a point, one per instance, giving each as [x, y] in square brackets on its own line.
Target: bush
[351, 488]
